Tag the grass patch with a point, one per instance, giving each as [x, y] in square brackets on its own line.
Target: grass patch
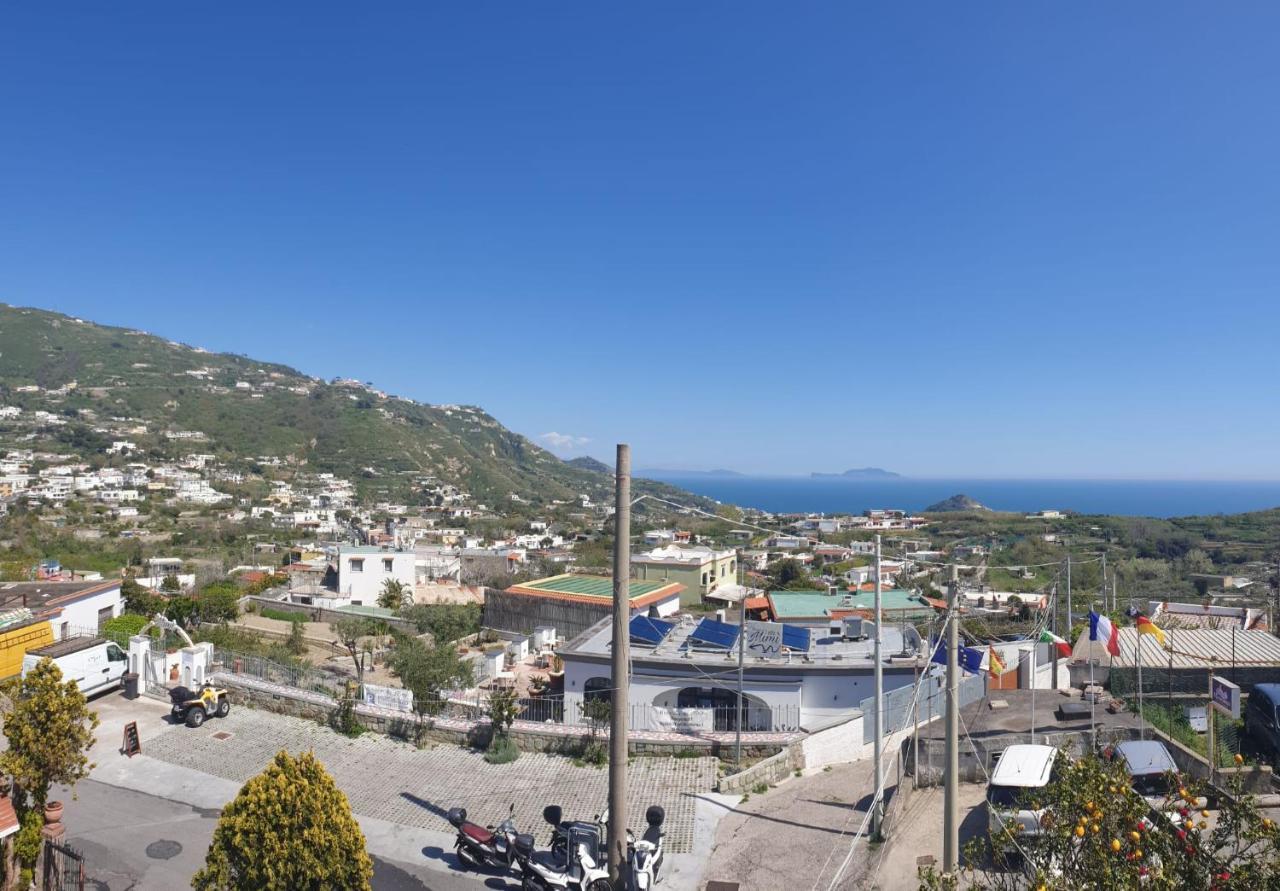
[282, 615]
[502, 750]
[760, 788]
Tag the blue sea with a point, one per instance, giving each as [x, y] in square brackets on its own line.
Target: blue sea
[1149, 498]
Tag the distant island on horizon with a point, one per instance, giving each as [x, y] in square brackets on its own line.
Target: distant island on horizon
[860, 473]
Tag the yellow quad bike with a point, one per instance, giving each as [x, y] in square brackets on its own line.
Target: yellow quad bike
[193, 707]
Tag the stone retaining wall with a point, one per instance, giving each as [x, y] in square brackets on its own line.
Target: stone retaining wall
[528, 737]
[770, 770]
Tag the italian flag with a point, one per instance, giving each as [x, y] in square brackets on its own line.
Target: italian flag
[1100, 628]
[1064, 648]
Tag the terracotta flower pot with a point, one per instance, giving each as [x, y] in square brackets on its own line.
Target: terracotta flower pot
[52, 811]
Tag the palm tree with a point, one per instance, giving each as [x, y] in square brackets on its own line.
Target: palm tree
[393, 595]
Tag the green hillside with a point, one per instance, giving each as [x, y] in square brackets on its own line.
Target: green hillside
[250, 410]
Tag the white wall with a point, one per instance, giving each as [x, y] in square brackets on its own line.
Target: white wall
[83, 614]
[835, 745]
[364, 587]
[828, 696]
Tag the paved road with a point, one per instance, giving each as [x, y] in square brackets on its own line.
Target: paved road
[810, 820]
[137, 842]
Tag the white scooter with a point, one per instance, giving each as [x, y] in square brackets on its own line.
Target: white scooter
[645, 855]
[585, 870]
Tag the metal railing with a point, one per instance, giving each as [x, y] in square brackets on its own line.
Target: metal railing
[333, 683]
[897, 710]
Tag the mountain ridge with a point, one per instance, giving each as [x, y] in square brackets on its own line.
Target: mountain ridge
[92, 377]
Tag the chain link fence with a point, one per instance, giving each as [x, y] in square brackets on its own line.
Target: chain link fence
[1176, 702]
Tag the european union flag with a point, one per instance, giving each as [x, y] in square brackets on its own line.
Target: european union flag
[969, 659]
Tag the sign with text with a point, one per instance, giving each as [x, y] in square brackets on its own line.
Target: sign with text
[764, 638]
[394, 698]
[132, 745]
[1226, 696]
[683, 720]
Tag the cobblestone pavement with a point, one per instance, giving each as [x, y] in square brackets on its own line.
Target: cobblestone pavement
[391, 780]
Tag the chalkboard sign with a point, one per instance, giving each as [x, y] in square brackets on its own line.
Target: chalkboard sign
[132, 745]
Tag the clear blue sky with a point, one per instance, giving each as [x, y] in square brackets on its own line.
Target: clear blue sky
[991, 239]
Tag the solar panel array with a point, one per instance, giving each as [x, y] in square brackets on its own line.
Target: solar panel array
[712, 633]
[650, 631]
[795, 638]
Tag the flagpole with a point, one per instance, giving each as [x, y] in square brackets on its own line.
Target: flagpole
[1093, 686]
[1034, 644]
[1142, 723]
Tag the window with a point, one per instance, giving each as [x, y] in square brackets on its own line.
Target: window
[387, 564]
[357, 565]
[597, 688]
[704, 578]
[733, 566]
[115, 654]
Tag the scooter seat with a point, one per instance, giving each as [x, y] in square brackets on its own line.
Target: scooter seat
[477, 833]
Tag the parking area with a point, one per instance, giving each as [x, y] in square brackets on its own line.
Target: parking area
[394, 781]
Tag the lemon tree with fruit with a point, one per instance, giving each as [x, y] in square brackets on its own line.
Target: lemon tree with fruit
[1098, 833]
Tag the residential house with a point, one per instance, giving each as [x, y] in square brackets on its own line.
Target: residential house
[700, 570]
[363, 570]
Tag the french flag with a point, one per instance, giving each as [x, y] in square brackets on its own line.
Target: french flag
[1100, 628]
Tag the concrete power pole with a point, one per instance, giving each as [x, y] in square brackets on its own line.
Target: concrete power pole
[951, 806]
[617, 838]
[877, 813]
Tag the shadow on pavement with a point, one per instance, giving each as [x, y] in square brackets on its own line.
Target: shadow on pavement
[834, 830]
[427, 806]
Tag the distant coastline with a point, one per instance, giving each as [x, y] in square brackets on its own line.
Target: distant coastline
[837, 494]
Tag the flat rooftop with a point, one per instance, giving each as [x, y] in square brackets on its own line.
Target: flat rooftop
[677, 648]
[816, 604]
[596, 589]
[981, 720]
[35, 595]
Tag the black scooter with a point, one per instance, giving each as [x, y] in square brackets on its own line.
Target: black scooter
[560, 829]
[478, 846]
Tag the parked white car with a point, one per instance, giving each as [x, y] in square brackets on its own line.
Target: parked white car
[94, 664]
[1019, 773]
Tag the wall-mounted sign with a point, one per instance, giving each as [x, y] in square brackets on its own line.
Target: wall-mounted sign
[764, 638]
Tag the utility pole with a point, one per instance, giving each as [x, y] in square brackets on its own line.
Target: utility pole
[951, 807]
[742, 635]
[617, 837]
[1068, 634]
[877, 808]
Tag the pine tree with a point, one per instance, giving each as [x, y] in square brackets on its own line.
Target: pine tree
[289, 829]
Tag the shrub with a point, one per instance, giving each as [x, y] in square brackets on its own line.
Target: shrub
[123, 627]
[290, 827]
[502, 750]
[760, 788]
[344, 718]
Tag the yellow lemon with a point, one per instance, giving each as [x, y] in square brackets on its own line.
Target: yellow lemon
[1095, 828]
[1239, 759]
[1079, 831]
[1115, 844]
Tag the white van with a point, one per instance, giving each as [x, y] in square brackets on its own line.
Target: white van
[93, 663]
[1021, 770]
